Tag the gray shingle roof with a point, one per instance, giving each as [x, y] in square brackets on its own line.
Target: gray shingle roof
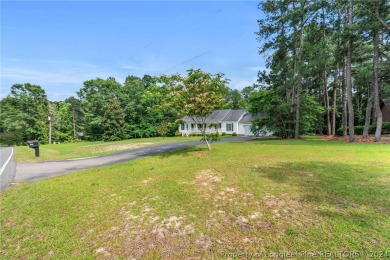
[187, 119]
[226, 115]
[235, 115]
[247, 118]
[217, 116]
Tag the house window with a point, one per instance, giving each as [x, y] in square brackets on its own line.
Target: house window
[219, 126]
[186, 126]
[200, 126]
[182, 126]
[229, 127]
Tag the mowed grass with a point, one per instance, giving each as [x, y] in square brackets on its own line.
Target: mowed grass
[65, 151]
[263, 197]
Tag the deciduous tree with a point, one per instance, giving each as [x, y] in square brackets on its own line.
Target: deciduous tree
[113, 121]
[24, 111]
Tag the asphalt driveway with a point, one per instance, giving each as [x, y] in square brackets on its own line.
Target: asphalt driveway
[26, 172]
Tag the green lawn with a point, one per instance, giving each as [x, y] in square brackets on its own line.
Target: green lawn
[308, 197]
[87, 149]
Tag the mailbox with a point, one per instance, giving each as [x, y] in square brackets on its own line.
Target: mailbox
[33, 143]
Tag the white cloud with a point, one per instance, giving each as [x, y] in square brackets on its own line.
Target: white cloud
[53, 72]
[256, 69]
[31, 75]
[242, 82]
[60, 79]
[142, 68]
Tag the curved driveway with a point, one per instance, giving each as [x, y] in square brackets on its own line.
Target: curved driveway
[41, 170]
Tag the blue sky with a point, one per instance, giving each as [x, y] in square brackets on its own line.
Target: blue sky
[61, 44]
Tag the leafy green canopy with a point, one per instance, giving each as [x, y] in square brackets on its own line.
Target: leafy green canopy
[278, 115]
[24, 113]
[197, 95]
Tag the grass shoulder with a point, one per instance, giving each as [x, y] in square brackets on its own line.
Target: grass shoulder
[75, 150]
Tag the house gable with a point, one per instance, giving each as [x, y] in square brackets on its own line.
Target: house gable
[385, 108]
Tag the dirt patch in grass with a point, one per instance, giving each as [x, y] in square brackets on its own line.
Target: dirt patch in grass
[229, 219]
[206, 180]
[119, 147]
[240, 220]
[146, 181]
[141, 235]
[251, 220]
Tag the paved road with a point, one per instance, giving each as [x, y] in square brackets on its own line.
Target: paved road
[7, 165]
[41, 170]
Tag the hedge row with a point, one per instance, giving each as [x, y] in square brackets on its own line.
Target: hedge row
[10, 138]
[371, 129]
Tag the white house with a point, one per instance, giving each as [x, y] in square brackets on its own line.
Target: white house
[227, 121]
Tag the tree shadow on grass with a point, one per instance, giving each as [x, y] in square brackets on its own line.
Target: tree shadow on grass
[185, 152]
[338, 190]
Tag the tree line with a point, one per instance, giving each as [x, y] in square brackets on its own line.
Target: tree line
[328, 66]
[103, 109]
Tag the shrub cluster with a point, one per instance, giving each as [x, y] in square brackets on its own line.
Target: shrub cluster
[11, 138]
[213, 137]
[371, 129]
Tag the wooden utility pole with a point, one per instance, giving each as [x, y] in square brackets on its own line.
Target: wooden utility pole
[74, 124]
[50, 119]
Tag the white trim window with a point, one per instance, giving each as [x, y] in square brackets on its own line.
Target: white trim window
[182, 126]
[229, 127]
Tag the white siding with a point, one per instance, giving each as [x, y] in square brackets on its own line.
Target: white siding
[190, 128]
[235, 127]
[245, 130]
[242, 129]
